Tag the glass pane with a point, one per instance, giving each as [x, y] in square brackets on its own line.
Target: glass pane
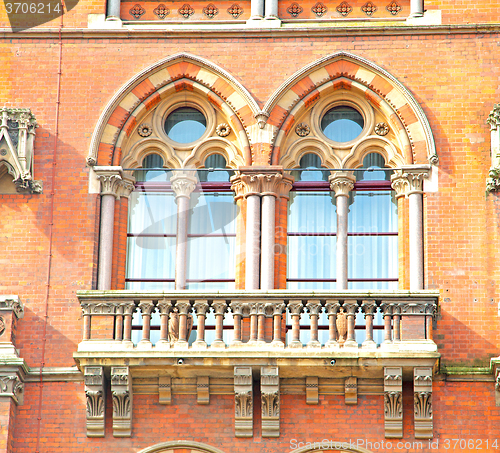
[373, 212]
[151, 257]
[310, 161]
[373, 161]
[152, 213]
[342, 124]
[373, 257]
[152, 161]
[312, 212]
[212, 250]
[215, 161]
[185, 125]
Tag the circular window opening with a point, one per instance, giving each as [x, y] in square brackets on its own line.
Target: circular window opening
[185, 125]
[342, 124]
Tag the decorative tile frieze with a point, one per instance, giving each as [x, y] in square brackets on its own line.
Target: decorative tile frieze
[203, 390]
[96, 400]
[351, 390]
[243, 401]
[161, 11]
[394, 8]
[422, 388]
[165, 389]
[270, 397]
[235, 10]
[17, 137]
[344, 9]
[121, 391]
[393, 402]
[312, 390]
[294, 10]
[319, 9]
[186, 11]
[210, 11]
[369, 8]
[137, 11]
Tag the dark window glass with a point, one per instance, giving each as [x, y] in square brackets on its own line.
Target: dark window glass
[342, 124]
[185, 125]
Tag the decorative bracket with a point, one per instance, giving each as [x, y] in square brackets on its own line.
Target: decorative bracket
[243, 401]
[11, 385]
[165, 389]
[351, 390]
[270, 395]
[17, 137]
[121, 389]
[203, 389]
[312, 393]
[393, 402]
[96, 399]
[422, 387]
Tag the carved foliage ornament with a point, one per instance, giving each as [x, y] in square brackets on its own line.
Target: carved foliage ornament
[235, 10]
[319, 9]
[210, 11]
[243, 404]
[344, 8]
[294, 10]
[186, 11]
[137, 11]
[17, 136]
[394, 8]
[161, 11]
[369, 8]
[393, 404]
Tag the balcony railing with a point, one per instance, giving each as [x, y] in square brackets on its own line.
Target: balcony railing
[260, 319]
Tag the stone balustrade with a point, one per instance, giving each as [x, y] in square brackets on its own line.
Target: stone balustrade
[262, 319]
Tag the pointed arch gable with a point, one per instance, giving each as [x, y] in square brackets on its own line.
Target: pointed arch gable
[346, 71]
[142, 92]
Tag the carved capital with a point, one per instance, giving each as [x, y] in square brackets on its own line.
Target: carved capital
[342, 183]
[95, 395]
[261, 181]
[351, 307]
[111, 179]
[295, 307]
[369, 307]
[237, 307]
[200, 307]
[313, 307]
[183, 184]
[165, 306]
[219, 307]
[184, 306]
[400, 184]
[332, 307]
[146, 307]
[243, 401]
[275, 308]
[121, 390]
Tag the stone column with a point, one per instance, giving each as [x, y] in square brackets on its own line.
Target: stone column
[113, 185]
[182, 185]
[113, 10]
[271, 9]
[256, 9]
[342, 183]
[417, 8]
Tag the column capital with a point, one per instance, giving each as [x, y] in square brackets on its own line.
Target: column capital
[183, 184]
[410, 179]
[114, 181]
[260, 180]
[341, 183]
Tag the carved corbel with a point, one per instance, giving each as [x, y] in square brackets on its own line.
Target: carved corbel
[17, 136]
[312, 392]
[121, 390]
[351, 390]
[165, 389]
[393, 402]
[270, 396]
[12, 386]
[96, 398]
[422, 388]
[243, 401]
[203, 390]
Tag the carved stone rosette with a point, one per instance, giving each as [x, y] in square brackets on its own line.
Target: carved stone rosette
[422, 388]
[96, 400]
[121, 390]
[270, 396]
[243, 401]
[393, 402]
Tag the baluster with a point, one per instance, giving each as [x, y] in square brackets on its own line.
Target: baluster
[184, 307]
[295, 308]
[314, 308]
[128, 310]
[87, 321]
[261, 317]
[219, 307]
[396, 313]
[165, 307]
[119, 323]
[146, 307]
[387, 312]
[277, 310]
[351, 307]
[237, 309]
[201, 308]
[369, 308]
[253, 321]
[332, 307]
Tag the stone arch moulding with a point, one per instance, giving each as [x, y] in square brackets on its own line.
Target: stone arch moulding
[182, 445]
[345, 71]
[336, 446]
[173, 74]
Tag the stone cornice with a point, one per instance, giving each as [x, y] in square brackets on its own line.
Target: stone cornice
[243, 32]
